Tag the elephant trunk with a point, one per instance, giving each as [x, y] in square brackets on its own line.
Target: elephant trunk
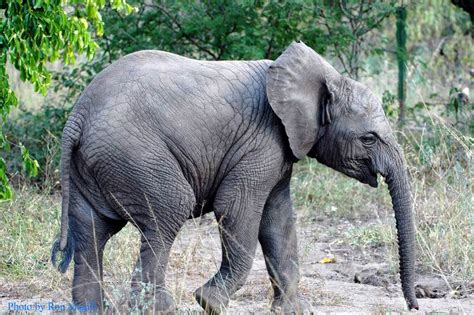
[399, 187]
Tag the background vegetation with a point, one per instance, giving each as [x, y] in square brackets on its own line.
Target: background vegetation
[417, 56]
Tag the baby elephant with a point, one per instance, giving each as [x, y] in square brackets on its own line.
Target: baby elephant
[157, 139]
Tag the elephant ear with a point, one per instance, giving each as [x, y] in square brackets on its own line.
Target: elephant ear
[298, 90]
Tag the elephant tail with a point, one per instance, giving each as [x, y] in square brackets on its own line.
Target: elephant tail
[71, 134]
[68, 252]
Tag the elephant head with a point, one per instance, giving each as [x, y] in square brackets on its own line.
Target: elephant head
[341, 123]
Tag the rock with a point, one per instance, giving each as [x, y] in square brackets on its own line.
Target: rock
[428, 292]
[371, 277]
[431, 288]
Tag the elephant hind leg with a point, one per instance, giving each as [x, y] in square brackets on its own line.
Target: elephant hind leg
[90, 232]
[148, 281]
[159, 215]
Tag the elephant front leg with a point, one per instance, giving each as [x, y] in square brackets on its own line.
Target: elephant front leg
[239, 216]
[277, 237]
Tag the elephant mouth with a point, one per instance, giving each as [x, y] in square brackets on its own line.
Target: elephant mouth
[363, 173]
[368, 177]
[372, 180]
[361, 169]
[370, 173]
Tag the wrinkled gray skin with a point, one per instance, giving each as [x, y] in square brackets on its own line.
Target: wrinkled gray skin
[157, 139]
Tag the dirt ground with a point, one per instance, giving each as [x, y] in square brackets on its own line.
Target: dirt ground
[330, 287]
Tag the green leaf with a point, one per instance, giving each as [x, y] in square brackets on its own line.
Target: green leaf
[37, 4]
[33, 33]
[30, 165]
[6, 192]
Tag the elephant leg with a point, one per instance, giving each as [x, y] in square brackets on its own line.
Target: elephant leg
[90, 232]
[277, 237]
[238, 207]
[148, 281]
[159, 220]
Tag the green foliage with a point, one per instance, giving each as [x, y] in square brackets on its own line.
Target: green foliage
[440, 146]
[30, 165]
[373, 235]
[458, 106]
[217, 30]
[350, 23]
[224, 30]
[440, 51]
[347, 31]
[36, 32]
[388, 104]
[40, 132]
[437, 60]
[6, 191]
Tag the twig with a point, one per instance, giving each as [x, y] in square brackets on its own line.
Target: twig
[185, 35]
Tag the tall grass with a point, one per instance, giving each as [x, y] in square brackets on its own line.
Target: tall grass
[441, 166]
[28, 224]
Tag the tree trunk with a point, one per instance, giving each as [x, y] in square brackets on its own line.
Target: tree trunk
[402, 56]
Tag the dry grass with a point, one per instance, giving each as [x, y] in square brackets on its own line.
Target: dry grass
[441, 169]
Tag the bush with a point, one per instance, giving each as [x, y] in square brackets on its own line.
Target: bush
[40, 132]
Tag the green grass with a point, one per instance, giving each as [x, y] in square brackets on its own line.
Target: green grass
[318, 189]
[28, 226]
[371, 236]
[445, 222]
[441, 166]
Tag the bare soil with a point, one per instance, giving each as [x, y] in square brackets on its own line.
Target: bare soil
[359, 281]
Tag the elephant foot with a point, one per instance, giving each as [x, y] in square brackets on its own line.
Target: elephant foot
[164, 303]
[158, 302]
[294, 305]
[211, 299]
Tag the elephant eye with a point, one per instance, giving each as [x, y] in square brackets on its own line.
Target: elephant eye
[368, 139]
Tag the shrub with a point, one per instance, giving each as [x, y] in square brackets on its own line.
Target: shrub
[40, 132]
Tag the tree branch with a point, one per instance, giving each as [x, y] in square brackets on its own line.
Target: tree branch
[182, 32]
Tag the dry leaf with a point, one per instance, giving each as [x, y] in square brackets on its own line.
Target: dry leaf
[328, 260]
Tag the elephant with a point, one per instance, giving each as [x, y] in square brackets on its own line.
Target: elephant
[156, 139]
